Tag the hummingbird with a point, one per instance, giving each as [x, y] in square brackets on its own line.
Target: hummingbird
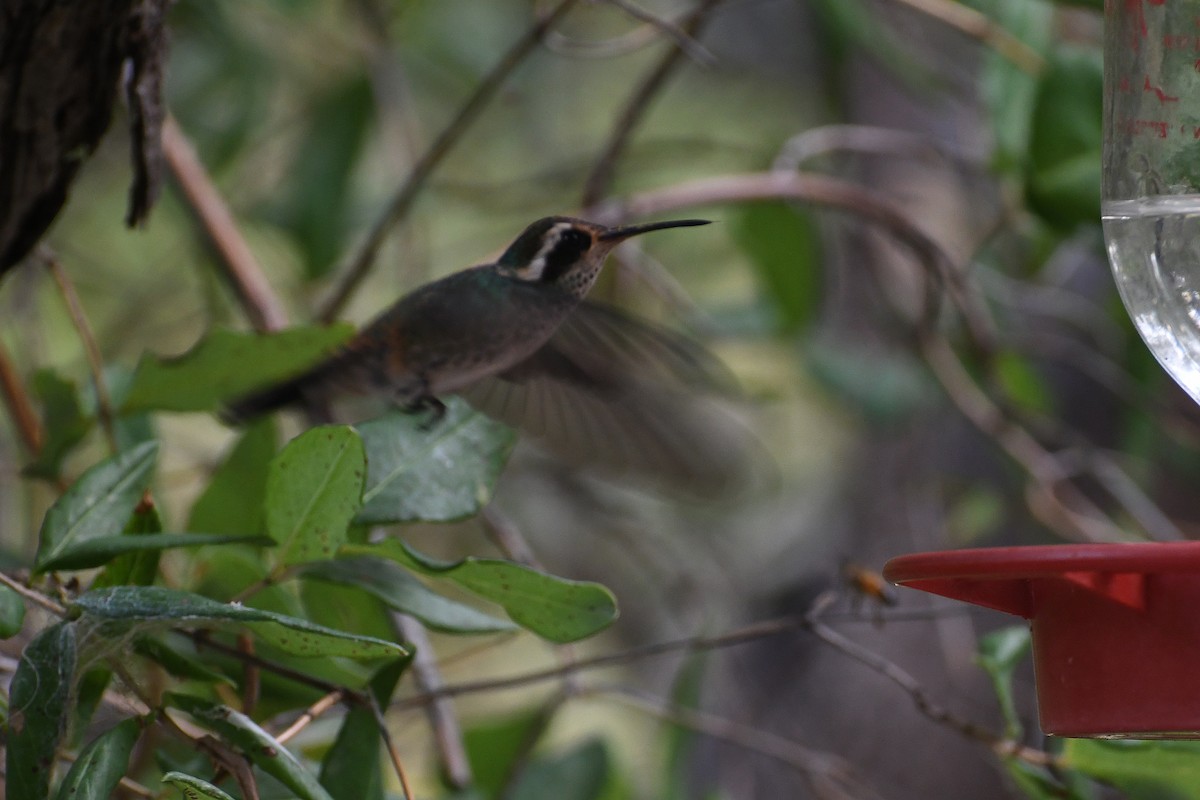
[519, 341]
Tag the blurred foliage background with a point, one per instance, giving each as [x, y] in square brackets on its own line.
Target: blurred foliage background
[1024, 410]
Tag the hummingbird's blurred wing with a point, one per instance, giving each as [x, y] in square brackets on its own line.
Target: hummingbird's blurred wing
[620, 393]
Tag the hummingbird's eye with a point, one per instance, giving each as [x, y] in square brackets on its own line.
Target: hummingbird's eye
[569, 248]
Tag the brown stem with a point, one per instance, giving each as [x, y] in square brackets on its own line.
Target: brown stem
[600, 180]
[236, 261]
[360, 264]
[95, 361]
[20, 408]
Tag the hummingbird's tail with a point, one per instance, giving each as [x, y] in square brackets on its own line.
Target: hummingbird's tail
[292, 391]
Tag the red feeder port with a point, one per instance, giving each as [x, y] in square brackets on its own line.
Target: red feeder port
[1116, 627]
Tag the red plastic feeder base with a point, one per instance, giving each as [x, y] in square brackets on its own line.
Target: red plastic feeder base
[1116, 628]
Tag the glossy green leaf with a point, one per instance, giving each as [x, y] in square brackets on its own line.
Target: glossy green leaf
[259, 746]
[1141, 768]
[225, 364]
[314, 489]
[1000, 652]
[63, 422]
[784, 248]
[149, 606]
[581, 773]
[97, 505]
[557, 609]
[400, 591]
[438, 474]
[12, 613]
[234, 500]
[39, 697]
[1037, 783]
[352, 769]
[1063, 185]
[101, 550]
[101, 765]
[315, 206]
[193, 788]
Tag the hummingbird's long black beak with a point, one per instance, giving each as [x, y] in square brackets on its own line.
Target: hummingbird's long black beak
[625, 231]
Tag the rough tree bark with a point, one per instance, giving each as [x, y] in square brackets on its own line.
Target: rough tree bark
[61, 65]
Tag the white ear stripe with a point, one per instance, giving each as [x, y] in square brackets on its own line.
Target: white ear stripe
[537, 266]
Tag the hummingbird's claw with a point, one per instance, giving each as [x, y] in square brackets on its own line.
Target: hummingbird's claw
[435, 407]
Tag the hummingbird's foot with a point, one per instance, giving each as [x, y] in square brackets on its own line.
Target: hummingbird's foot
[435, 407]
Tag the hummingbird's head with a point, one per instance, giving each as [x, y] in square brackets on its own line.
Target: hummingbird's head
[569, 252]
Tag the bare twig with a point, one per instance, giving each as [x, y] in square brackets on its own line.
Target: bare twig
[94, 359]
[20, 408]
[601, 177]
[238, 265]
[682, 38]
[360, 264]
[446, 730]
[978, 26]
[393, 753]
[318, 708]
[37, 598]
[1005, 748]
[816, 766]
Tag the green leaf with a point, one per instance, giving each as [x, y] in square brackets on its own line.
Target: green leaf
[1139, 767]
[12, 613]
[150, 606]
[194, 788]
[178, 664]
[351, 770]
[63, 421]
[1022, 383]
[557, 609]
[1007, 90]
[226, 364]
[39, 697]
[402, 592]
[259, 746]
[139, 567]
[1063, 184]
[101, 765]
[999, 654]
[315, 206]
[314, 489]
[785, 251]
[96, 505]
[579, 774]
[235, 497]
[86, 697]
[494, 744]
[436, 475]
[101, 550]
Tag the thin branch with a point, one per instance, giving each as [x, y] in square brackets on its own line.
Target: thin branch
[237, 263]
[37, 598]
[824, 191]
[318, 708]
[20, 408]
[360, 264]
[600, 180]
[446, 730]
[978, 26]
[94, 359]
[682, 38]
[816, 766]
[390, 744]
[1003, 747]
[755, 631]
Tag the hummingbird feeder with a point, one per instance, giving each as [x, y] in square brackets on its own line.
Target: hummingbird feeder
[1116, 628]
